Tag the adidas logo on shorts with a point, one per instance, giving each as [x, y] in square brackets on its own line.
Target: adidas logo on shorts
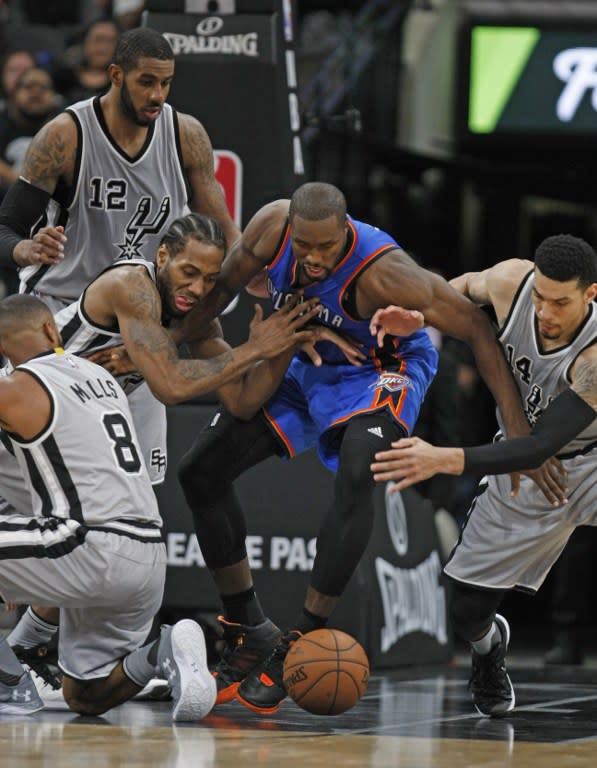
[375, 431]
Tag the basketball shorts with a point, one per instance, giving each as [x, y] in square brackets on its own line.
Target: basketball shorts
[313, 404]
[512, 542]
[108, 588]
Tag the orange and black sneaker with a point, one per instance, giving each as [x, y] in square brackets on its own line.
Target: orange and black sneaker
[244, 648]
[263, 689]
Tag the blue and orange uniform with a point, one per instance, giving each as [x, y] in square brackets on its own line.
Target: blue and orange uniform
[313, 403]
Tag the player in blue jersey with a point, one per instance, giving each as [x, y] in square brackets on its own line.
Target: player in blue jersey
[310, 246]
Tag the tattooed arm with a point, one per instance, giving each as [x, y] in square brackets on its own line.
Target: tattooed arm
[198, 159]
[51, 155]
[136, 306]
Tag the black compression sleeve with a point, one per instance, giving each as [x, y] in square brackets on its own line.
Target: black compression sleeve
[566, 416]
[21, 207]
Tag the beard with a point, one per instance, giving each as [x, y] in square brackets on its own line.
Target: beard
[128, 110]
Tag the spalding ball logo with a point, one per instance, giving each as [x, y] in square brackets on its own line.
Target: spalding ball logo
[209, 26]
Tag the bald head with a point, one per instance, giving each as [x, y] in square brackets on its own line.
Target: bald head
[20, 311]
[316, 201]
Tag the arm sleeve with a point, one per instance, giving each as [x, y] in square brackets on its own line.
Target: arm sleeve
[21, 207]
[566, 416]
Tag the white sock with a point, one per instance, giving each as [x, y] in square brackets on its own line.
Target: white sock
[31, 631]
[486, 643]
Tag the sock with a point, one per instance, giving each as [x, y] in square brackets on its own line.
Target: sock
[140, 665]
[243, 608]
[31, 630]
[487, 642]
[308, 621]
[10, 667]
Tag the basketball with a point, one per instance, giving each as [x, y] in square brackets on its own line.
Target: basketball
[326, 672]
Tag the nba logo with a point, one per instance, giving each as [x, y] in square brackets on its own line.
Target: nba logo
[229, 173]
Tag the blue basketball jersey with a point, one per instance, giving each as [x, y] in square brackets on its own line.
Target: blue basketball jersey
[312, 402]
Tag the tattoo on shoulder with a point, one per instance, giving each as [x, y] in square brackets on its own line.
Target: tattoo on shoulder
[45, 159]
[585, 382]
[197, 147]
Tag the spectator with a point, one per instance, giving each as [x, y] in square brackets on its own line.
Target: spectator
[12, 67]
[83, 71]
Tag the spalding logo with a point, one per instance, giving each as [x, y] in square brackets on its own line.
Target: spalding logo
[296, 677]
[209, 26]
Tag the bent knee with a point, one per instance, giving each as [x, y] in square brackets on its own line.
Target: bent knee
[84, 707]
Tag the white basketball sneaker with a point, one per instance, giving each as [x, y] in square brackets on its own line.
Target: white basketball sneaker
[20, 699]
[182, 660]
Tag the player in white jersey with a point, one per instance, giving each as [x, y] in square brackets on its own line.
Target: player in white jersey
[131, 301]
[548, 329]
[104, 178]
[93, 545]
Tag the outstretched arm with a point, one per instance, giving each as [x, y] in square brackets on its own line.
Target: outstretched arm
[411, 460]
[137, 306]
[397, 279]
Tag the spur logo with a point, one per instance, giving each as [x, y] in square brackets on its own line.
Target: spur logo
[577, 67]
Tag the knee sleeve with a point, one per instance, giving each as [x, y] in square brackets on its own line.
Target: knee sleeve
[346, 528]
[222, 450]
[473, 609]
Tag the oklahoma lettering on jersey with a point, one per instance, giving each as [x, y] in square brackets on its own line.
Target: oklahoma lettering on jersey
[118, 206]
[366, 244]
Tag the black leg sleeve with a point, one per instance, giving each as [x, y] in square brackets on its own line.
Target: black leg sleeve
[346, 528]
[224, 449]
[473, 609]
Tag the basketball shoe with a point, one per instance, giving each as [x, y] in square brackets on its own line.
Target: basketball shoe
[244, 648]
[263, 689]
[182, 659]
[43, 663]
[20, 698]
[490, 685]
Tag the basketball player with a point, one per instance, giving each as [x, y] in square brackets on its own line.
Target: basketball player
[131, 301]
[93, 545]
[103, 179]
[548, 329]
[310, 246]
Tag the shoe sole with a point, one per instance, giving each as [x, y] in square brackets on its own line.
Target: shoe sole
[505, 629]
[257, 709]
[198, 692]
[225, 695]
[14, 709]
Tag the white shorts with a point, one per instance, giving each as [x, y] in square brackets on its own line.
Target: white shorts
[109, 589]
[512, 542]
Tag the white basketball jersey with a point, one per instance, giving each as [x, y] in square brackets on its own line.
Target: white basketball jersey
[81, 336]
[543, 375]
[118, 206]
[86, 465]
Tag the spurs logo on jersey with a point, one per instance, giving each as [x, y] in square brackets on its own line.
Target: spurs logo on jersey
[139, 226]
[536, 401]
[118, 206]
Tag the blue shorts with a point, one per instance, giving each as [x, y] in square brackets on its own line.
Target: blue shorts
[313, 404]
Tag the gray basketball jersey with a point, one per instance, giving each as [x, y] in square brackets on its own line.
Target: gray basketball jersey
[86, 465]
[543, 375]
[81, 336]
[118, 206]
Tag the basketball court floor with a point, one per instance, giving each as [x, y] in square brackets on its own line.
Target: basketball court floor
[409, 718]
